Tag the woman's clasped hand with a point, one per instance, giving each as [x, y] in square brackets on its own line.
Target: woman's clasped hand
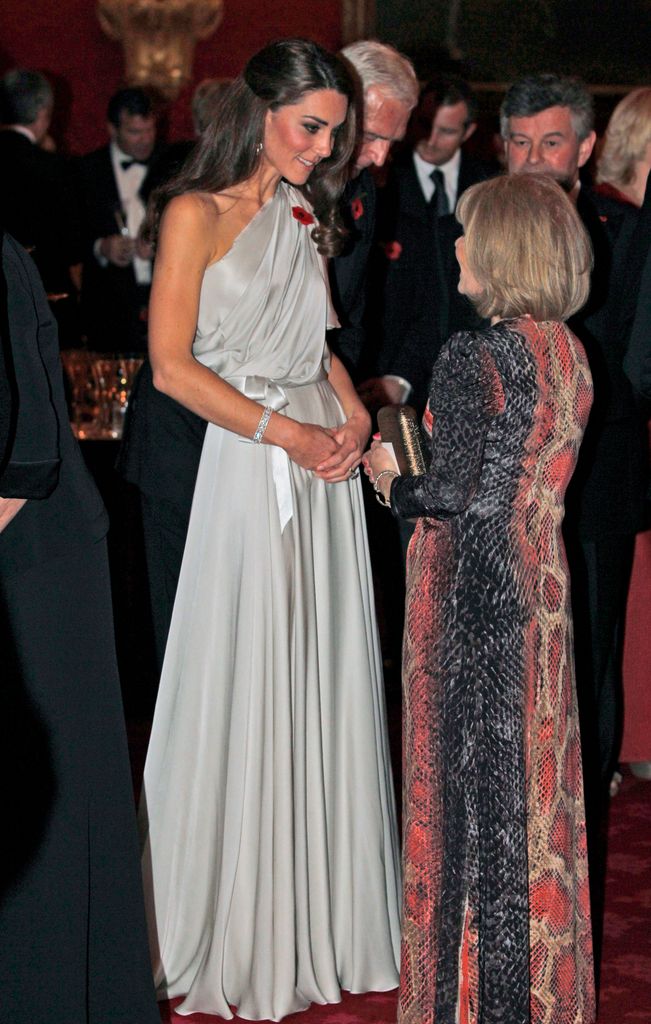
[350, 439]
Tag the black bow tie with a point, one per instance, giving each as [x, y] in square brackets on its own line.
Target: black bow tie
[126, 164]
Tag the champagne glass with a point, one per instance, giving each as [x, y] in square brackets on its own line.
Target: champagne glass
[84, 397]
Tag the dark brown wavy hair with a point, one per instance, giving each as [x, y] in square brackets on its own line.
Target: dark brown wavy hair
[230, 148]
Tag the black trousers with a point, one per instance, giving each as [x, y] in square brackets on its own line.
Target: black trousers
[73, 941]
[165, 528]
[600, 572]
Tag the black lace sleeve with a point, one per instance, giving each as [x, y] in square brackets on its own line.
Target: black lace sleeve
[466, 394]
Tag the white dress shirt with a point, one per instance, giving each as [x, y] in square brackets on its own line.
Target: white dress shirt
[128, 181]
[21, 129]
[450, 172]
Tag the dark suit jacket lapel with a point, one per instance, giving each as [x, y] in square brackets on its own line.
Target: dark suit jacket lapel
[108, 177]
[413, 204]
[465, 179]
[412, 200]
[348, 269]
[106, 192]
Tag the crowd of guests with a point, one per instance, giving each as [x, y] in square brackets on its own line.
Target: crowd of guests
[510, 306]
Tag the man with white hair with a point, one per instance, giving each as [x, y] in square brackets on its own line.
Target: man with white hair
[388, 90]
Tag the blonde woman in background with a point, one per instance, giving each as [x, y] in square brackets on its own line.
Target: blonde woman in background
[625, 159]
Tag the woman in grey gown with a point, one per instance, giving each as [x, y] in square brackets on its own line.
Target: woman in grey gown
[270, 861]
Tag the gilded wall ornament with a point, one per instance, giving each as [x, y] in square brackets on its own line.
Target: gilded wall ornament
[158, 38]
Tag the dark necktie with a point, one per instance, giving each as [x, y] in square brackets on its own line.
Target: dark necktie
[126, 164]
[439, 201]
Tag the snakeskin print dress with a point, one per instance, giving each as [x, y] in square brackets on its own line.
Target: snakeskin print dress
[496, 912]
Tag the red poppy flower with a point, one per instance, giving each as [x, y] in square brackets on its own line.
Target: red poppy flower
[357, 208]
[604, 220]
[302, 215]
[392, 250]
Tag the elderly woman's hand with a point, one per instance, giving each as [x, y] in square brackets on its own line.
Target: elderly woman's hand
[378, 460]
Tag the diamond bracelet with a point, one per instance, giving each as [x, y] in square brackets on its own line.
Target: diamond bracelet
[262, 425]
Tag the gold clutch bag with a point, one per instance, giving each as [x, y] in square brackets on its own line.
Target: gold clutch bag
[399, 426]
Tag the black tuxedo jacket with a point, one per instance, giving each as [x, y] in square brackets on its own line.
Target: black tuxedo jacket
[166, 164]
[606, 494]
[43, 461]
[416, 304]
[39, 208]
[349, 273]
[112, 302]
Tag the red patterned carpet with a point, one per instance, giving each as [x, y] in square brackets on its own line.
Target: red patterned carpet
[626, 972]
[376, 1008]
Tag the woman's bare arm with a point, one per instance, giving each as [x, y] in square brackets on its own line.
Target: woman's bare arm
[193, 235]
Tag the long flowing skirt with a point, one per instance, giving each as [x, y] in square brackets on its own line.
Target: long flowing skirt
[271, 860]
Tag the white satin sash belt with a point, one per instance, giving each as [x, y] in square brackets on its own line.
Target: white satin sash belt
[271, 393]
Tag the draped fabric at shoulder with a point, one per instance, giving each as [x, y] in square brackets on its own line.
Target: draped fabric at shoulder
[263, 306]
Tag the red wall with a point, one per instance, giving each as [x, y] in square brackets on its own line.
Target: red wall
[63, 39]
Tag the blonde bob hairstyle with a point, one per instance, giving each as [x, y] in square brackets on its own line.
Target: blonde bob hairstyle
[627, 136]
[526, 247]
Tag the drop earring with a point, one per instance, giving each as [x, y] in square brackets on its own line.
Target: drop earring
[258, 149]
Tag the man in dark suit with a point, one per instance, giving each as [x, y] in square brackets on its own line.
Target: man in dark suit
[117, 263]
[635, 311]
[547, 128]
[163, 440]
[71, 916]
[37, 201]
[387, 88]
[414, 270]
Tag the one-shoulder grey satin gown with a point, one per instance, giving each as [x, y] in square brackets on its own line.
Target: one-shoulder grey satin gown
[271, 862]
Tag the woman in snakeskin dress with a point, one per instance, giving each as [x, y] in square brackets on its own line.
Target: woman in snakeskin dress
[496, 918]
